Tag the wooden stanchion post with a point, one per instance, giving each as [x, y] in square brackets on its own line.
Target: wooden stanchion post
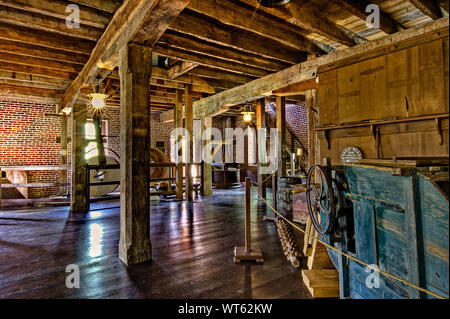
[247, 253]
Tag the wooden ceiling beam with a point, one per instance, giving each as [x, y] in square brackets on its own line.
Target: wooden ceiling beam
[7, 89]
[427, 7]
[17, 79]
[126, 23]
[35, 70]
[221, 75]
[183, 42]
[122, 28]
[29, 79]
[208, 61]
[181, 68]
[221, 84]
[297, 88]
[164, 12]
[232, 14]
[109, 6]
[205, 28]
[30, 50]
[47, 23]
[309, 20]
[309, 70]
[358, 9]
[43, 63]
[57, 9]
[199, 85]
[45, 39]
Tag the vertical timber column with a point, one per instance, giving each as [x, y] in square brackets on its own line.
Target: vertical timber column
[207, 168]
[63, 151]
[313, 121]
[178, 123]
[281, 127]
[78, 198]
[313, 143]
[261, 124]
[135, 66]
[189, 125]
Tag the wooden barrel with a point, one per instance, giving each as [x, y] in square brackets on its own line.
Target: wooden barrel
[224, 179]
[285, 202]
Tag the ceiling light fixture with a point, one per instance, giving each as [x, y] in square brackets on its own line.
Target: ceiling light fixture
[273, 3]
[98, 100]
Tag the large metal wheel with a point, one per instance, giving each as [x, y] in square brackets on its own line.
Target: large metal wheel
[320, 199]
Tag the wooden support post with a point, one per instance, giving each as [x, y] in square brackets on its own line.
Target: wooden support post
[207, 168]
[247, 215]
[99, 139]
[281, 127]
[78, 198]
[135, 66]
[246, 252]
[178, 123]
[189, 125]
[261, 124]
[274, 216]
[313, 142]
[63, 150]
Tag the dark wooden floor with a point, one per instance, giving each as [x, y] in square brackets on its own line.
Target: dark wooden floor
[192, 253]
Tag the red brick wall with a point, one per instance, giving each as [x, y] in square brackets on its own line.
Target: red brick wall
[297, 118]
[160, 131]
[28, 137]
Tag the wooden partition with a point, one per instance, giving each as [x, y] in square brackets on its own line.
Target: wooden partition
[395, 105]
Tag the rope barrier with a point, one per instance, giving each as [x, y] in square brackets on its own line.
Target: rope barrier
[347, 255]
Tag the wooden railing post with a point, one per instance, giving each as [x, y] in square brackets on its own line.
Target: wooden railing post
[246, 252]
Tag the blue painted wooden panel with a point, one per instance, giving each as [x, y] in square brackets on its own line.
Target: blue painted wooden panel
[435, 220]
[401, 224]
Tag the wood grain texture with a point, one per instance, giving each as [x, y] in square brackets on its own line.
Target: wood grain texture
[192, 253]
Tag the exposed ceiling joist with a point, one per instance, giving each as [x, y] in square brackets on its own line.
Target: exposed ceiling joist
[42, 52]
[358, 9]
[156, 23]
[208, 61]
[44, 63]
[308, 70]
[308, 19]
[109, 6]
[36, 70]
[175, 40]
[234, 15]
[221, 75]
[46, 23]
[210, 30]
[427, 7]
[181, 68]
[57, 9]
[125, 24]
[45, 39]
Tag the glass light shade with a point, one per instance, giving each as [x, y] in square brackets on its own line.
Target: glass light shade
[247, 117]
[97, 100]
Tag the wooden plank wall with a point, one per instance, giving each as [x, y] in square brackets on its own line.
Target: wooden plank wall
[408, 83]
